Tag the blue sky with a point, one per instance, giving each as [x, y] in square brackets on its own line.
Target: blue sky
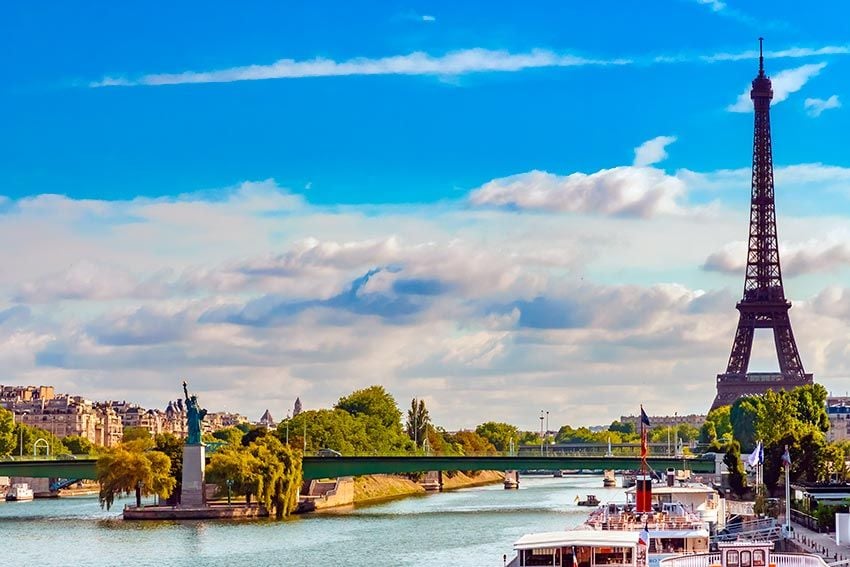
[292, 197]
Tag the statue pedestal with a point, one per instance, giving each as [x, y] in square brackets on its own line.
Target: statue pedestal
[192, 492]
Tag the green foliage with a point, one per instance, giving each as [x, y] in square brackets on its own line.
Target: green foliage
[530, 438]
[266, 468]
[7, 429]
[499, 435]
[172, 446]
[373, 401]
[737, 477]
[811, 405]
[78, 445]
[471, 443]
[567, 434]
[253, 434]
[442, 443]
[627, 428]
[30, 435]
[717, 426]
[743, 415]
[418, 421]
[132, 466]
[230, 435]
[134, 433]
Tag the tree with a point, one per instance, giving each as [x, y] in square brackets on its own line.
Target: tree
[374, 401]
[810, 402]
[78, 445]
[743, 415]
[472, 443]
[172, 446]
[230, 435]
[418, 421]
[717, 426]
[132, 467]
[499, 434]
[732, 460]
[134, 433]
[627, 428]
[266, 468]
[7, 429]
[28, 436]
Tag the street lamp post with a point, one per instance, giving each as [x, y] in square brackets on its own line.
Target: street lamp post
[287, 429]
[547, 433]
[229, 483]
[20, 432]
[541, 433]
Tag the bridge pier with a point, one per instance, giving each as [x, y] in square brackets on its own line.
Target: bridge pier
[433, 481]
[511, 479]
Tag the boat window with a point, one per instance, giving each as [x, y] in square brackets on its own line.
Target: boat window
[542, 556]
[612, 556]
[745, 559]
[758, 558]
[731, 557]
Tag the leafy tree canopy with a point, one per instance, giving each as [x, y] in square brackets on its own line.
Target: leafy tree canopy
[499, 434]
[372, 401]
[133, 433]
[132, 466]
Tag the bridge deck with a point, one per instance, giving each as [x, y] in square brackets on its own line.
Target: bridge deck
[330, 467]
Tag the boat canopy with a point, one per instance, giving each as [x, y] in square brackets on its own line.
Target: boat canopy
[586, 538]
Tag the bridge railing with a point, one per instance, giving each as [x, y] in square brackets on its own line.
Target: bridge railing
[31, 458]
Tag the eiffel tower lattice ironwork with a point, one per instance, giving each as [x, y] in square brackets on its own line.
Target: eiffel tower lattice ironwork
[764, 305]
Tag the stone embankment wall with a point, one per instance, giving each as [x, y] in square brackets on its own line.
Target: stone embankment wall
[376, 488]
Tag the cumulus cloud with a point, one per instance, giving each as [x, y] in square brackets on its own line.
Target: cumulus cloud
[454, 63]
[816, 106]
[623, 191]
[652, 151]
[785, 83]
[813, 256]
[428, 18]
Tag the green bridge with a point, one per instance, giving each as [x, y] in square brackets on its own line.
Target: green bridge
[332, 467]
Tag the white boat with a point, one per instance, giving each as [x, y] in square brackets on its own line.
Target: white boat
[577, 548]
[19, 492]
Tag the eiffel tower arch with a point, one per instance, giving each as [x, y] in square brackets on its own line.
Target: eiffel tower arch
[763, 305]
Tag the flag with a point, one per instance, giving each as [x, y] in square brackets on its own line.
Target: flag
[643, 538]
[577, 499]
[786, 457]
[644, 419]
[755, 457]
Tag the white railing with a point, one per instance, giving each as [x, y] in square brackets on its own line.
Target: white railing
[777, 559]
[698, 560]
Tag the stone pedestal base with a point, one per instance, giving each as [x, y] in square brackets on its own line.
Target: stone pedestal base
[194, 461]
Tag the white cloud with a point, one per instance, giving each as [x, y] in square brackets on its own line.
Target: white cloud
[418, 63]
[715, 5]
[816, 106]
[428, 18]
[623, 191]
[809, 257]
[791, 53]
[652, 151]
[785, 83]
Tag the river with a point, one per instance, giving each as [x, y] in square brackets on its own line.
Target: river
[469, 527]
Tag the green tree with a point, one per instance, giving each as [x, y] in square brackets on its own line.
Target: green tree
[472, 443]
[627, 428]
[172, 447]
[418, 422]
[499, 434]
[810, 402]
[373, 401]
[230, 435]
[78, 445]
[743, 415]
[732, 460]
[7, 429]
[132, 467]
[239, 466]
[134, 433]
[29, 435]
[717, 426]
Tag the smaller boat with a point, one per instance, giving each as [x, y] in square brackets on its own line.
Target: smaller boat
[609, 479]
[19, 492]
[591, 500]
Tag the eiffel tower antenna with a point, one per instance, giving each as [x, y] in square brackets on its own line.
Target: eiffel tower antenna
[763, 305]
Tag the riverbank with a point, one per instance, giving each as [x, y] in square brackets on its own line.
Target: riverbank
[380, 488]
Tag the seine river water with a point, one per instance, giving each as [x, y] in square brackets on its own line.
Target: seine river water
[469, 527]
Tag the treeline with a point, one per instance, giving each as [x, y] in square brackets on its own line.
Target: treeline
[796, 419]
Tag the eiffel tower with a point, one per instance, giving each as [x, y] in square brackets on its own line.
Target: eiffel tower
[764, 305]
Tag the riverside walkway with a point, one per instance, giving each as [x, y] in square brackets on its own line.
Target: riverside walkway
[333, 467]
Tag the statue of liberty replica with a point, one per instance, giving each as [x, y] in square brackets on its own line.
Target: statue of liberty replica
[194, 455]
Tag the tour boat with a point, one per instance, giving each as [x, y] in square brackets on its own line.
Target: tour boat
[577, 548]
[590, 500]
[19, 492]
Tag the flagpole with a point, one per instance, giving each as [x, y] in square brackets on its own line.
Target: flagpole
[787, 494]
